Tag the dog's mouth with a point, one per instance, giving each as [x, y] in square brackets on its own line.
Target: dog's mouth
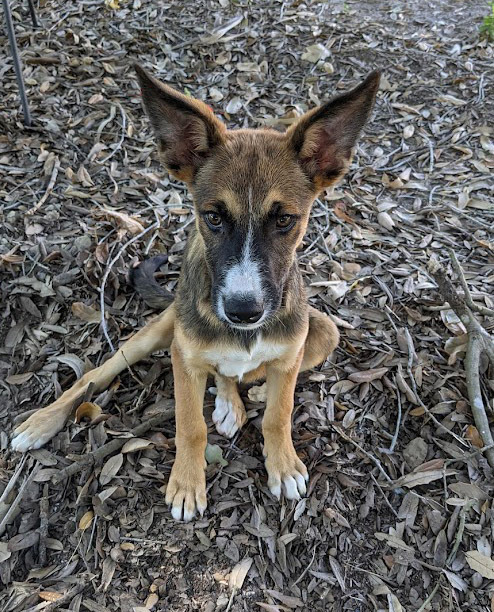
[247, 326]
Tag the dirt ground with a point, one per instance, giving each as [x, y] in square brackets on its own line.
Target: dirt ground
[399, 511]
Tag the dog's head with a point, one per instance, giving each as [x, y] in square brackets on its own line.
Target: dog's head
[253, 189]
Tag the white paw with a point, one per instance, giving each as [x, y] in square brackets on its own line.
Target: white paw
[288, 477]
[228, 416]
[37, 430]
[186, 493]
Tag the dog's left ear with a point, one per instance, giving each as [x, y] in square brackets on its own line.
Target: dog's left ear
[323, 138]
[186, 128]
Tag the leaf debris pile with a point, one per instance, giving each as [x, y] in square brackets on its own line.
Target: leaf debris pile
[399, 509]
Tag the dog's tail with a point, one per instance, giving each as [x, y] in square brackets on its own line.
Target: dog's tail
[142, 280]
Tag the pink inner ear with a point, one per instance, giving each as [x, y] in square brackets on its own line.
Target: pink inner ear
[186, 140]
[322, 155]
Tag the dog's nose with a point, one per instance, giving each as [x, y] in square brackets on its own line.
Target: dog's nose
[244, 309]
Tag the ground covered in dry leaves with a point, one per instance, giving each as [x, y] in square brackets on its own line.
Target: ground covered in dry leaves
[399, 512]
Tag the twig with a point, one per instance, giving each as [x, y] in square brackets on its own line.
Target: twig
[411, 353]
[230, 601]
[307, 568]
[62, 601]
[383, 494]
[468, 296]
[368, 455]
[431, 596]
[14, 479]
[10, 513]
[122, 137]
[44, 507]
[105, 278]
[479, 341]
[459, 533]
[145, 541]
[472, 365]
[99, 454]
[49, 189]
[398, 424]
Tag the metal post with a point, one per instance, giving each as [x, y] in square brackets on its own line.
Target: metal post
[17, 62]
[33, 13]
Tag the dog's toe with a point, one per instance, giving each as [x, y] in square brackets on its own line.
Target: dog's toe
[186, 492]
[287, 475]
[38, 429]
[228, 416]
[23, 441]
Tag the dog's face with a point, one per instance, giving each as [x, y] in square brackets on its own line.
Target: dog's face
[253, 189]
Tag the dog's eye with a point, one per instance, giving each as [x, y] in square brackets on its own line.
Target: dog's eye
[285, 221]
[213, 219]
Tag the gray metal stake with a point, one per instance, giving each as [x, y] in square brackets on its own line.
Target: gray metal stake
[17, 62]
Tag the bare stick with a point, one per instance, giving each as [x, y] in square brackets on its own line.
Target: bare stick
[398, 424]
[105, 278]
[44, 507]
[411, 353]
[472, 365]
[374, 460]
[10, 513]
[479, 341]
[64, 599]
[468, 296]
[122, 137]
[14, 479]
[49, 189]
[431, 597]
[111, 447]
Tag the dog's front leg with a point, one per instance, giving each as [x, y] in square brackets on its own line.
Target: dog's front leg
[186, 489]
[46, 422]
[285, 470]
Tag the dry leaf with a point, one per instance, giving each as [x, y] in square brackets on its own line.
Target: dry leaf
[86, 520]
[5, 553]
[472, 434]
[393, 541]
[257, 393]
[214, 455]
[151, 601]
[334, 515]
[87, 410]
[314, 53]
[480, 563]
[50, 595]
[128, 223]
[415, 479]
[239, 573]
[368, 375]
[19, 379]
[110, 469]
[86, 313]
[136, 444]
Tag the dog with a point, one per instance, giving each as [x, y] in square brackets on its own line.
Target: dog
[240, 312]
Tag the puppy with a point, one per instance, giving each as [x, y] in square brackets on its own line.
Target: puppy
[240, 312]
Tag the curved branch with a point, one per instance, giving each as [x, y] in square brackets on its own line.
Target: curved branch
[472, 364]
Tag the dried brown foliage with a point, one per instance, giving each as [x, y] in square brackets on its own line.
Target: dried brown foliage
[399, 512]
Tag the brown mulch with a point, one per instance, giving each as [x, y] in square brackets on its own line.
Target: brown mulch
[399, 510]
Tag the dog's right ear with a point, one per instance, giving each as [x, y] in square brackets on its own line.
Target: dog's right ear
[186, 129]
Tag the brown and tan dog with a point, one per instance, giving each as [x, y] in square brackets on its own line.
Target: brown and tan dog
[240, 312]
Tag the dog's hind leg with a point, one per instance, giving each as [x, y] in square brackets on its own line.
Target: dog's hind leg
[46, 422]
[229, 414]
[321, 341]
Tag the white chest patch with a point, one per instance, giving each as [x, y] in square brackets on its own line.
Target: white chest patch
[237, 362]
